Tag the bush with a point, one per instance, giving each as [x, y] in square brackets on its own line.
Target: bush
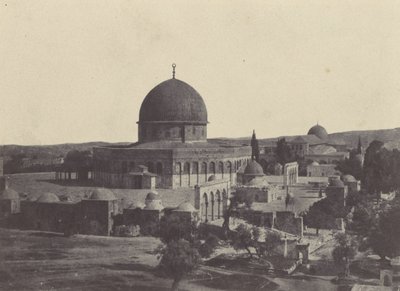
[207, 248]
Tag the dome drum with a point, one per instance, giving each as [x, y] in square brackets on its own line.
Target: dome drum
[172, 131]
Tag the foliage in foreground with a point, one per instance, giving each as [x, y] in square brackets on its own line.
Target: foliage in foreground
[344, 251]
[179, 258]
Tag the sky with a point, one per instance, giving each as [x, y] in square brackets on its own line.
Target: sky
[78, 71]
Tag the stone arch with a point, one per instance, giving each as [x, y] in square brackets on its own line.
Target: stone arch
[179, 172]
[229, 169]
[204, 207]
[186, 172]
[204, 170]
[219, 204]
[221, 169]
[150, 167]
[212, 168]
[159, 168]
[195, 171]
[387, 281]
[212, 200]
[224, 200]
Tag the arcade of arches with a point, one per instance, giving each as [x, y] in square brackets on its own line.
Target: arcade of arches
[212, 199]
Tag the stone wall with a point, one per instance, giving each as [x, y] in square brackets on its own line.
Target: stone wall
[175, 168]
[324, 170]
[212, 199]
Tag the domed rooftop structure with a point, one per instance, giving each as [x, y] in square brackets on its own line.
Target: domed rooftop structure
[318, 131]
[185, 206]
[48, 198]
[173, 111]
[211, 178]
[348, 178]
[314, 163]
[102, 194]
[260, 182]
[336, 183]
[152, 196]
[9, 194]
[173, 101]
[253, 169]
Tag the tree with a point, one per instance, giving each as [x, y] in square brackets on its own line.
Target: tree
[178, 259]
[344, 251]
[323, 214]
[231, 211]
[255, 151]
[377, 168]
[351, 166]
[384, 238]
[242, 239]
[207, 248]
[283, 152]
[272, 240]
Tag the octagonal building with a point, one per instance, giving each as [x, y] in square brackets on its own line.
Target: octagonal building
[172, 145]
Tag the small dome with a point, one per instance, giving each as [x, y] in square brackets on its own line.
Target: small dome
[212, 178]
[314, 163]
[336, 183]
[135, 205]
[102, 194]
[154, 205]
[48, 198]
[253, 169]
[186, 206]
[319, 131]
[258, 182]
[173, 101]
[9, 194]
[348, 178]
[152, 196]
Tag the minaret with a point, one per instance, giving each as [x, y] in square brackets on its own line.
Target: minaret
[255, 152]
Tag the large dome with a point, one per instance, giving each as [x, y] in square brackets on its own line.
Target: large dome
[254, 169]
[48, 198]
[319, 131]
[173, 101]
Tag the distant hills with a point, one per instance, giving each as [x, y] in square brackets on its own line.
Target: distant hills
[49, 151]
[391, 138]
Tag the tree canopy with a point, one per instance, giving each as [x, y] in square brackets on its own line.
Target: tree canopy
[178, 259]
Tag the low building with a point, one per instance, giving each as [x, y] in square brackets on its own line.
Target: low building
[353, 185]
[337, 191]
[324, 170]
[257, 190]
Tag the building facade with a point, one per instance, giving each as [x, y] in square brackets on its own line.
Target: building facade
[172, 143]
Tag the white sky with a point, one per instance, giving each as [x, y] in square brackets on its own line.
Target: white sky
[75, 71]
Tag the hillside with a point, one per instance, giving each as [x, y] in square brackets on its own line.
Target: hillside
[48, 151]
[391, 137]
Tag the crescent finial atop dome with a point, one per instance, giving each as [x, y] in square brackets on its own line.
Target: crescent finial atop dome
[173, 70]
